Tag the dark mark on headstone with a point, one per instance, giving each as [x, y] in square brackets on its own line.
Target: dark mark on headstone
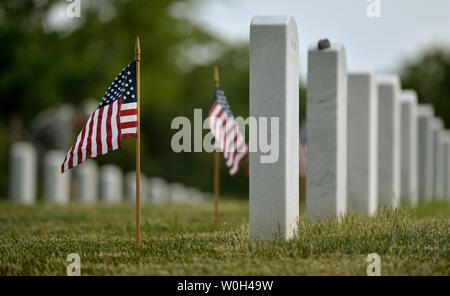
[323, 44]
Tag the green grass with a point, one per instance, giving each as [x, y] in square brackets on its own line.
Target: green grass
[180, 240]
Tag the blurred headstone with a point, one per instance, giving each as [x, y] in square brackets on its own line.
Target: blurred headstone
[425, 148]
[362, 142]
[178, 193]
[56, 185]
[438, 155]
[86, 182]
[158, 190]
[408, 185]
[130, 187]
[274, 87]
[326, 172]
[389, 123]
[195, 195]
[447, 164]
[111, 183]
[52, 128]
[22, 173]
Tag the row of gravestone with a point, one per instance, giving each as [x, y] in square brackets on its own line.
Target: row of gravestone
[90, 183]
[370, 145]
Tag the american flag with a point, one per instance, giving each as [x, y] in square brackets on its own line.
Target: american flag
[115, 118]
[225, 130]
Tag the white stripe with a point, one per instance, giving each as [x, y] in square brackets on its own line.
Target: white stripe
[218, 134]
[75, 151]
[211, 121]
[66, 164]
[114, 130]
[128, 106]
[235, 167]
[94, 135]
[128, 118]
[103, 130]
[86, 135]
[131, 130]
[216, 111]
[238, 144]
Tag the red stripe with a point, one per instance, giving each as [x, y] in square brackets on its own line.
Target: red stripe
[239, 164]
[71, 155]
[62, 166]
[119, 132]
[235, 154]
[89, 139]
[128, 112]
[220, 113]
[79, 153]
[212, 108]
[129, 135]
[128, 124]
[98, 138]
[109, 129]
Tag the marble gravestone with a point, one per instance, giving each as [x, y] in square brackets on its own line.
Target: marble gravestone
[438, 156]
[447, 165]
[158, 190]
[389, 119]
[362, 115]
[22, 173]
[56, 185]
[130, 187]
[326, 171]
[408, 185]
[111, 184]
[178, 193]
[274, 93]
[425, 149]
[86, 182]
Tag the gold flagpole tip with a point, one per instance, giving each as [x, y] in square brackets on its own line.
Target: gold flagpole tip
[216, 76]
[137, 49]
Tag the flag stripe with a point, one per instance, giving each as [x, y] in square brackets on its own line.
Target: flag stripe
[129, 118]
[98, 138]
[109, 129]
[228, 138]
[128, 112]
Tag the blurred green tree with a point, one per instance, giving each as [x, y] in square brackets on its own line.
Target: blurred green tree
[429, 76]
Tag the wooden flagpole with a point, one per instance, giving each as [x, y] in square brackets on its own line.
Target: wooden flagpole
[137, 56]
[216, 166]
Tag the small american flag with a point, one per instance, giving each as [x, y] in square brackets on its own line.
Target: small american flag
[225, 130]
[115, 118]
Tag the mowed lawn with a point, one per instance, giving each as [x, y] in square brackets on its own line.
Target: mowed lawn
[180, 240]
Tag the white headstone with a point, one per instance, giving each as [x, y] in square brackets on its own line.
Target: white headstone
[274, 93]
[56, 185]
[158, 190]
[195, 195]
[447, 164]
[130, 187]
[425, 149]
[22, 173]
[362, 142]
[389, 119]
[438, 163]
[178, 193]
[86, 182]
[111, 183]
[326, 170]
[408, 185]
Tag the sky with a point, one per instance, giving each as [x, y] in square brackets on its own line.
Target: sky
[403, 30]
